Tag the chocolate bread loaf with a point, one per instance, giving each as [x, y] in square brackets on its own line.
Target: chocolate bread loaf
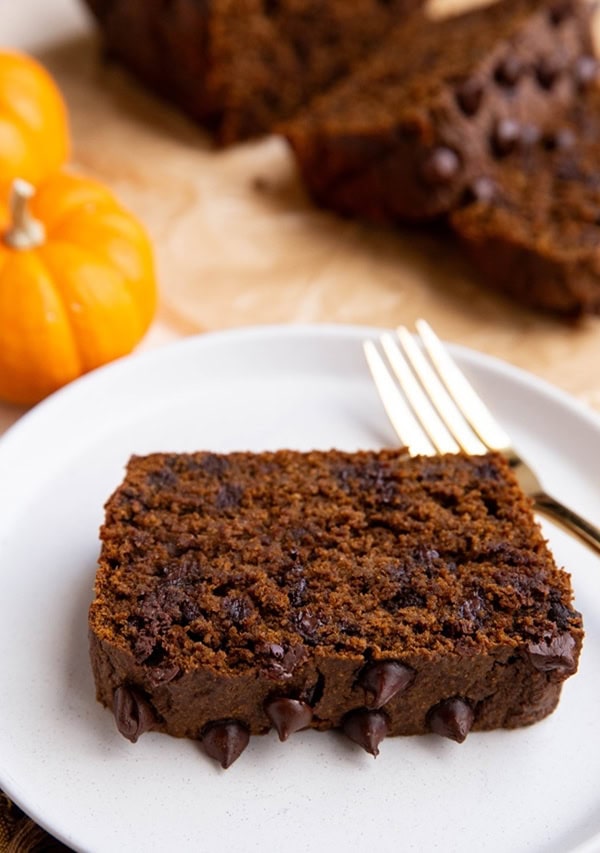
[239, 66]
[368, 591]
[440, 104]
[534, 232]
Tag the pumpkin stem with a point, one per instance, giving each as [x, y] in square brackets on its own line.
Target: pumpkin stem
[24, 231]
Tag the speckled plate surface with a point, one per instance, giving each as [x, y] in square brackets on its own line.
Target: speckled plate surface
[61, 759]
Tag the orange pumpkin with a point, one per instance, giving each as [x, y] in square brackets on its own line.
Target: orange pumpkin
[34, 137]
[77, 284]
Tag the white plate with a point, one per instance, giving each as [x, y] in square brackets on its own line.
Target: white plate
[61, 758]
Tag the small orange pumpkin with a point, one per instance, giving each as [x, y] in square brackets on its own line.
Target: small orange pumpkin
[34, 136]
[77, 284]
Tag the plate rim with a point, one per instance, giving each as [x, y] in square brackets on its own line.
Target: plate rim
[135, 360]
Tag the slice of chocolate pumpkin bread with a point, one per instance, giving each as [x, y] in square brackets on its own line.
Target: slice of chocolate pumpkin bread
[367, 591]
[441, 103]
[534, 231]
[239, 66]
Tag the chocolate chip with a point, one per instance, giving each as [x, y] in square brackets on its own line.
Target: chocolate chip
[560, 11]
[289, 716]
[384, 679]
[564, 139]
[143, 646]
[133, 714]
[279, 662]
[163, 478]
[163, 674]
[225, 741]
[213, 464]
[506, 136]
[585, 72]
[307, 624]
[366, 728]
[451, 718]
[471, 612]
[560, 613]
[190, 610]
[297, 592]
[406, 598]
[229, 496]
[481, 189]
[547, 72]
[469, 96]
[237, 609]
[440, 166]
[561, 140]
[508, 71]
[555, 655]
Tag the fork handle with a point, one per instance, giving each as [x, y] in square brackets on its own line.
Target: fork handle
[568, 520]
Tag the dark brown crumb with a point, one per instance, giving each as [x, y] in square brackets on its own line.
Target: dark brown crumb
[437, 106]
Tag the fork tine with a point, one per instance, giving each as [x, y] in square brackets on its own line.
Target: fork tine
[447, 408]
[468, 401]
[429, 419]
[402, 419]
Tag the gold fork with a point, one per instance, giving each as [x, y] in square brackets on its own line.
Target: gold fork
[433, 409]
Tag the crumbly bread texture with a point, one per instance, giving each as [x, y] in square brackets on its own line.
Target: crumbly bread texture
[534, 232]
[239, 66]
[368, 591]
[440, 104]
